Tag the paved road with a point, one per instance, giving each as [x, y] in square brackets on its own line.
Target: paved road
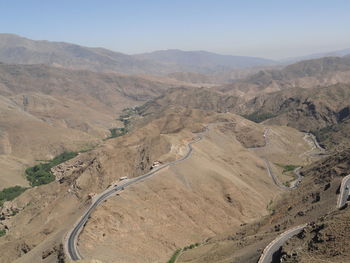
[273, 176]
[297, 181]
[277, 243]
[344, 192]
[270, 172]
[315, 142]
[72, 237]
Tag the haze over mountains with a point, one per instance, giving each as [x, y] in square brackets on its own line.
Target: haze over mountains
[337, 53]
[19, 50]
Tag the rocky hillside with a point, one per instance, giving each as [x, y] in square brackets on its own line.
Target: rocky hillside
[305, 74]
[313, 201]
[324, 111]
[46, 110]
[37, 220]
[197, 98]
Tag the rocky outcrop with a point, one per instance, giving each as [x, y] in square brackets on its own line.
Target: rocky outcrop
[7, 211]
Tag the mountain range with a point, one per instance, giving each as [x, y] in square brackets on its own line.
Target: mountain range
[18, 50]
[232, 135]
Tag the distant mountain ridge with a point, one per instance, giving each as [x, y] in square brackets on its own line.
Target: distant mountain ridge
[337, 53]
[203, 61]
[19, 50]
[306, 74]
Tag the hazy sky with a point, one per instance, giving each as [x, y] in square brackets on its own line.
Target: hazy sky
[266, 28]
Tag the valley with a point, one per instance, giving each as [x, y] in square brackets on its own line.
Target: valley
[171, 156]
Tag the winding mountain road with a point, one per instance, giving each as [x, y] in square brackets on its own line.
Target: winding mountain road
[277, 243]
[269, 170]
[274, 246]
[344, 192]
[70, 242]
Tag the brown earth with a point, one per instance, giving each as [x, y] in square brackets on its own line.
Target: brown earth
[322, 110]
[305, 74]
[45, 111]
[311, 201]
[208, 181]
[325, 240]
[231, 171]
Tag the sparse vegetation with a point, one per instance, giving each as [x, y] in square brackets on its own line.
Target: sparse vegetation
[41, 173]
[88, 148]
[116, 132]
[269, 208]
[178, 251]
[10, 193]
[2, 232]
[288, 167]
[287, 184]
[191, 246]
[259, 117]
[127, 113]
[174, 256]
[125, 117]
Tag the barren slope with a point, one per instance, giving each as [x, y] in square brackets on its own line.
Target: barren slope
[45, 110]
[314, 198]
[305, 74]
[222, 185]
[220, 179]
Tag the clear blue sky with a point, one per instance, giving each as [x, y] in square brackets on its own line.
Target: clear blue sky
[266, 28]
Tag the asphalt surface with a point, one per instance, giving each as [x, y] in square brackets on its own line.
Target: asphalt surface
[344, 192]
[277, 243]
[72, 237]
[317, 145]
[299, 177]
[274, 178]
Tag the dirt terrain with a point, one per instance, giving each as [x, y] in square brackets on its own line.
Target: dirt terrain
[222, 160]
[182, 196]
[306, 74]
[322, 110]
[310, 202]
[45, 111]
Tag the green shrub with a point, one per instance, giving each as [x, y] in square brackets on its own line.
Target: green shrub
[41, 173]
[174, 256]
[8, 194]
[2, 232]
[116, 132]
[259, 117]
[191, 246]
[288, 167]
